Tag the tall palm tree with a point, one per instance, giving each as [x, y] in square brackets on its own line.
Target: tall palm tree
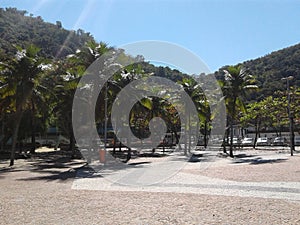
[71, 71]
[22, 75]
[193, 89]
[116, 84]
[236, 84]
[6, 101]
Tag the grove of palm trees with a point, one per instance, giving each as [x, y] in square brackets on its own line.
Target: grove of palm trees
[37, 90]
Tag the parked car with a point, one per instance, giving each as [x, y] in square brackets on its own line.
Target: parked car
[236, 141]
[217, 141]
[42, 141]
[297, 140]
[263, 141]
[21, 144]
[247, 141]
[280, 141]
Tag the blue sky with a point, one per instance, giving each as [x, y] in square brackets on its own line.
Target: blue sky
[220, 32]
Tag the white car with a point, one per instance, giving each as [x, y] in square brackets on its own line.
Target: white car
[297, 140]
[217, 141]
[247, 141]
[236, 141]
[263, 141]
[280, 141]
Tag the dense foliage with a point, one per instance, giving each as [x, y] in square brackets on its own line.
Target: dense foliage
[16, 28]
[270, 69]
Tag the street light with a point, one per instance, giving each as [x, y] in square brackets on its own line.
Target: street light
[292, 144]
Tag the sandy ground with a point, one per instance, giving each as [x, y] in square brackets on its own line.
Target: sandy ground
[39, 191]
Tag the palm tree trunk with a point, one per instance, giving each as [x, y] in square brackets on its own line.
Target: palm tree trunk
[72, 145]
[33, 144]
[114, 144]
[231, 127]
[72, 141]
[129, 151]
[225, 139]
[205, 133]
[231, 140]
[190, 136]
[224, 145]
[177, 139]
[19, 114]
[256, 133]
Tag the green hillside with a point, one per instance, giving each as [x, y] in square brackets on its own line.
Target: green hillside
[18, 28]
[270, 68]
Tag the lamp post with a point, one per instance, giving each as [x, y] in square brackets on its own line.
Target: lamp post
[105, 116]
[292, 144]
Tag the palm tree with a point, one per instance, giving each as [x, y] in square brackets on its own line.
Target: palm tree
[236, 84]
[6, 100]
[22, 75]
[116, 84]
[195, 92]
[71, 71]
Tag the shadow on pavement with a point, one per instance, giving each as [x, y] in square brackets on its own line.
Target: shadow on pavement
[59, 165]
[54, 165]
[243, 155]
[258, 160]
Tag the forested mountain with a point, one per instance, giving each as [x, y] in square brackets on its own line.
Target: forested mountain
[18, 28]
[269, 69]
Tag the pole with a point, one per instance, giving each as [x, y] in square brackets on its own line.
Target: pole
[292, 144]
[105, 119]
[291, 119]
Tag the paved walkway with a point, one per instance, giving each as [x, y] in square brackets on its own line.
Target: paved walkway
[170, 176]
[43, 190]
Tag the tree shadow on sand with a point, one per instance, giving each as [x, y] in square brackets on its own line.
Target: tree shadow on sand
[49, 166]
[60, 166]
[257, 160]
